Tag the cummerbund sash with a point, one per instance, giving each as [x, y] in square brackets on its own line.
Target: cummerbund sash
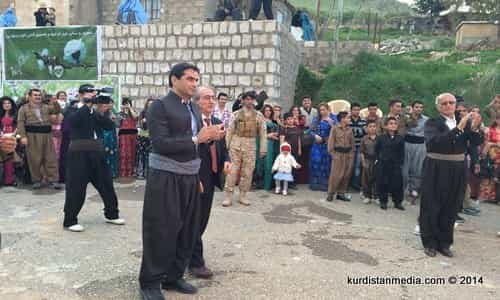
[86, 145]
[163, 163]
[127, 131]
[413, 139]
[342, 149]
[38, 129]
[447, 157]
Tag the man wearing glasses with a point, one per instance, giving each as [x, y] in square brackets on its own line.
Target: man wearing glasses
[444, 182]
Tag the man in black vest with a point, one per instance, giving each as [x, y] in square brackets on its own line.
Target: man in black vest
[171, 213]
[443, 174]
[214, 160]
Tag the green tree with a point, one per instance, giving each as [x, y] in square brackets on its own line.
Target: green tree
[430, 7]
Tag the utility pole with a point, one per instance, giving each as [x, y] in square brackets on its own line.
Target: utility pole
[318, 16]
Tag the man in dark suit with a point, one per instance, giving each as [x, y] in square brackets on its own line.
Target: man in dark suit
[214, 160]
[171, 210]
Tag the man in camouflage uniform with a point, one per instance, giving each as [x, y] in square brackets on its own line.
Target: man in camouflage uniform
[245, 127]
[34, 127]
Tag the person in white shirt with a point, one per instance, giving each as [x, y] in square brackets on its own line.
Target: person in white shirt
[283, 167]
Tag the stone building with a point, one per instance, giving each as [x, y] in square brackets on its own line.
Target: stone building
[470, 32]
[104, 12]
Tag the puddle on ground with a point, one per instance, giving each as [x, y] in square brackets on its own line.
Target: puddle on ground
[288, 213]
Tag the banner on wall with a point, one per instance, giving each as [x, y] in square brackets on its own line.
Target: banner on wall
[17, 89]
[51, 53]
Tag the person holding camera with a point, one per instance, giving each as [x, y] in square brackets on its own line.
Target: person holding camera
[86, 161]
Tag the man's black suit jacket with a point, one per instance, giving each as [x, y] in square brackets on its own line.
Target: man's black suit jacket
[207, 176]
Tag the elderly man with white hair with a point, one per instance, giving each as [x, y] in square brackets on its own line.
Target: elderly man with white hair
[444, 182]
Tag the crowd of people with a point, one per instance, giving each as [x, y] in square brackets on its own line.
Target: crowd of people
[191, 141]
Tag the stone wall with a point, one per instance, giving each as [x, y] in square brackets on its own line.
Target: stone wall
[317, 55]
[233, 57]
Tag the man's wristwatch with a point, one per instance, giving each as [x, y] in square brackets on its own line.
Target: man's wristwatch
[195, 140]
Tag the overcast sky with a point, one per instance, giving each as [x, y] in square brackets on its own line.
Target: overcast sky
[407, 1]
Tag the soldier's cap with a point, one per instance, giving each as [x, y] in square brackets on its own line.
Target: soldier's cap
[86, 88]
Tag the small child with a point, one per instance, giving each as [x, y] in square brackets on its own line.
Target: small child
[292, 134]
[368, 162]
[389, 151]
[283, 165]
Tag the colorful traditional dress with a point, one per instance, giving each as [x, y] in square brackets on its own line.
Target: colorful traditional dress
[8, 126]
[127, 145]
[143, 150]
[110, 143]
[488, 185]
[263, 173]
[321, 160]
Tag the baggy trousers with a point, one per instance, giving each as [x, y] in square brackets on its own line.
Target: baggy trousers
[41, 157]
[443, 191]
[412, 167]
[170, 225]
[340, 175]
[84, 167]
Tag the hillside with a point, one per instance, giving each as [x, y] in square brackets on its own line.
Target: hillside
[411, 76]
[383, 7]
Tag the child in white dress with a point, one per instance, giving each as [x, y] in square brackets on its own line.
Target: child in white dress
[283, 166]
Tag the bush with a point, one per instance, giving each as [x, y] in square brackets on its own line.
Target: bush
[381, 78]
[307, 84]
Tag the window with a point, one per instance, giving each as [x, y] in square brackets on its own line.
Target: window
[152, 8]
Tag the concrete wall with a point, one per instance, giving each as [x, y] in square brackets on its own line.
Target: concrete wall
[317, 55]
[232, 56]
[469, 34]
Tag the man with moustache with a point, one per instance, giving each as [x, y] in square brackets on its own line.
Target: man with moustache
[171, 213]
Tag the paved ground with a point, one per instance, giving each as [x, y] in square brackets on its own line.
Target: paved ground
[295, 247]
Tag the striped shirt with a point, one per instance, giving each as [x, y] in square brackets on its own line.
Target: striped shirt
[358, 130]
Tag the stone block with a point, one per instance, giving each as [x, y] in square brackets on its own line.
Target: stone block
[169, 29]
[197, 28]
[192, 42]
[148, 68]
[164, 68]
[223, 27]
[209, 67]
[270, 26]
[249, 68]
[116, 55]
[162, 29]
[109, 31]
[236, 41]
[142, 43]
[177, 29]
[230, 80]
[187, 29]
[130, 43]
[208, 41]
[149, 55]
[216, 54]
[140, 68]
[121, 68]
[156, 68]
[187, 54]
[231, 54]
[134, 92]
[122, 43]
[147, 79]
[246, 40]
[244, 80]
[150, 42]
[112, 44]
[144, 30]
[217, 80]
[261, 67]
[269, 53]
[131, 67]
[153, 29]
[112, 67]
[244, 26]
[171, 42]
[243, 54]
[217, 67]
[238, 67]
[273, 67]
[228, 68]
[182, 42]
[138, 80]
[233, 28]
[197, 54]
[269, 80]
[225, 41]
[257, 26]
[207, 28]
[207, 54]
[177, 54]
[158, 80]
[130, 79]
[256, 53]
[160, 42]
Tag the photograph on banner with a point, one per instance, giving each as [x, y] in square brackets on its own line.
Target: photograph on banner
[18, 89]
[51, 53]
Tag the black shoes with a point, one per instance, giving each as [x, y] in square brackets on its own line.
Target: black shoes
[151, 294]
[399, 206]
[383, 206]
[430, 252]
[329, 198]
[202, 272]
[343, 198]
[181, 286]
[446, 252]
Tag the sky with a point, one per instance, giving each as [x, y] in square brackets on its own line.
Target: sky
[407, 1]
